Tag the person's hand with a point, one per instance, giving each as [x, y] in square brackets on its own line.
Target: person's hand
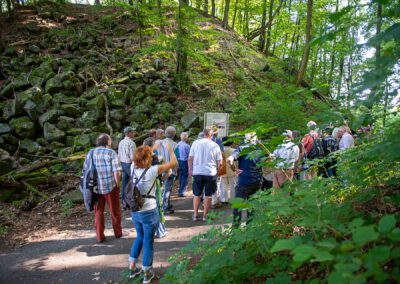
[230, 160]
[238, 172]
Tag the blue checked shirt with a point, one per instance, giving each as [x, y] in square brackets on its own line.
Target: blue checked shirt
[106, 163]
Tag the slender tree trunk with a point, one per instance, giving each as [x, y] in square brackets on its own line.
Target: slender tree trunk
[341, 67]
[206, 7]
[246, 19]
[10, 9]
[268, 44]
[226, 14]
[261, 42]
[314, 63]
[385, 102]
[97, 2]
[287, 34]
[213, 8]
[234, 14]
[181, 54]
[306, 52]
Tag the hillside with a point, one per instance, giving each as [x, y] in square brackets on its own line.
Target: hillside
[70, 72]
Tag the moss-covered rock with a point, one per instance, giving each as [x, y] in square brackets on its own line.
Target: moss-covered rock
[71, 109]
[64, 123]
[23, 127]
[30, 146]
[4, 128]
[118, 114]
[49, 116]
[97, 102]
[33, 94]
[153, 90]
[88, 119]
[52, 133]
[82, 142]
[54, 85]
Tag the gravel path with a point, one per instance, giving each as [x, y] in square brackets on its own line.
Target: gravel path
[75, 257]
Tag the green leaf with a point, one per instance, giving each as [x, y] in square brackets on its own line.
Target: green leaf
[363, 235]
[284, 244]
[386, 224]
[321, 256]
[395, 235]
[355, 223]
[302, 253]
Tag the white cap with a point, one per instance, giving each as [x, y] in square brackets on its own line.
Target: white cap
[311, 123]
[288, 133]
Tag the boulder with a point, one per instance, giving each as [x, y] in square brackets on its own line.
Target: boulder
[60, 98]
[7, 91]
[88, 119]
[30, 146]
[49, 116]
[7, 163]
[64, 123]
[7, 111]
[52, 133]
[134, 75]
[33, 94]
[10, 139]
[4, 128]
[71, 109]
[31, 110]
[54, 85]
[23, 127]
[81, 142]
[139, 118]
[153, 90]
[117, 114]
[190, 119]
[150, 74]
[97, 102]
[122, 80]
[34, 49]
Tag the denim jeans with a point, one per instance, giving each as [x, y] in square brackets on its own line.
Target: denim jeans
[244, 191]
[168, 184]
[183, 176]
[126, 173]
[145, 223]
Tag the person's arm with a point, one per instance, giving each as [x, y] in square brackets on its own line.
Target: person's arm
[190, 165]
[169, 165]
[116, 167]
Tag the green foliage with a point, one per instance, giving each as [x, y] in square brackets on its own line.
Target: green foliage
[336, 230]
[66, 207]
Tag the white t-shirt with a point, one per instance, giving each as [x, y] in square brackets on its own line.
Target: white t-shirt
[145, 183]
[346, 141]
[205, 155]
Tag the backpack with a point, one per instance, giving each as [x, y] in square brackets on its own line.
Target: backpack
[134, 200]
[176, 152]
[88, 183]
[330, 145]
[317, 149]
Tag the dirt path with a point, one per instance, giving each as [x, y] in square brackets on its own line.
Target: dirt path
[73, 256]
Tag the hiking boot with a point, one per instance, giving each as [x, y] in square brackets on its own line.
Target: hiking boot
[204, 218]
[148, 276]
[135, 272]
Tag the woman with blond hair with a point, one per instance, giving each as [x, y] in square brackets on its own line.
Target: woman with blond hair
[146, 219]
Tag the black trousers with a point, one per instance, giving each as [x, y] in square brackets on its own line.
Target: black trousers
[244, 191]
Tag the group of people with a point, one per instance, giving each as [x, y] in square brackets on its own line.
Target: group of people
[216, 170]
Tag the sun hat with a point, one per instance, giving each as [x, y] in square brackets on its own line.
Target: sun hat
[311, 124]
[288, 133]
[129, 129]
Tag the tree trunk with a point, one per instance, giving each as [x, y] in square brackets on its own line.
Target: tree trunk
[261, 42]
[341, 67]
[287, 34]
[10, 10]
[306, 52]
[234, 15]
[246, 19]
[97, 2]
[213, 8]
[181, 54]
[206, 7]
[268, 45]
[226, 14]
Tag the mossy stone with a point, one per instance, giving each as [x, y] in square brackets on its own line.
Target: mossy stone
[23, 127]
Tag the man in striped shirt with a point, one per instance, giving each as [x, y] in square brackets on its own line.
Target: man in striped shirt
[108, 170]
[126, 148]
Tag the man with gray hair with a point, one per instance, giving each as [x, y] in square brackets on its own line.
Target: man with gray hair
[205, 158]
[126, 148]
[170, 176]
[182, 153]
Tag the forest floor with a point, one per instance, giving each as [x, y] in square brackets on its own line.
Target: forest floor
[61, 249]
